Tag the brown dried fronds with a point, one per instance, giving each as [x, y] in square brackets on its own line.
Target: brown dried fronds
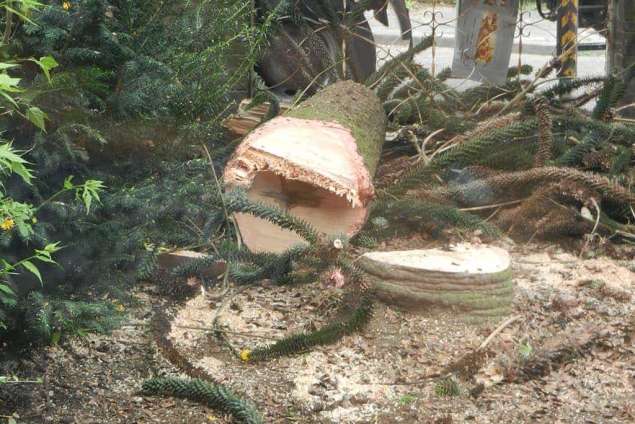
[616, 294]
[545, 136]
[558, 351]
[551, 211]
[161, 327]
[601, 160]
[490, 108]
[516, 184]
[601, 289]
[609, 115]
[445, 419]
[562, 222]
[486, 127]
[468, 365]
[540, 217]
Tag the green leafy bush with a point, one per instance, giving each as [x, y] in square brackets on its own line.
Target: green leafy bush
[138, 89]
[23, 251]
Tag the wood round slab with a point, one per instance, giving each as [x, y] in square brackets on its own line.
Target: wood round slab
[475, 280]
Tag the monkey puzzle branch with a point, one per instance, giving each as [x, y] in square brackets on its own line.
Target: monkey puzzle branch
[316, 162]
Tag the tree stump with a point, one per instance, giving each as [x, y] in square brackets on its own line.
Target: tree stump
[472, 280]
[316, 162]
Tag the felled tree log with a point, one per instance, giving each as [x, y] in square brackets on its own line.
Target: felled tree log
[316, 162]
[246, 119]
[468, 280]
[171, 260]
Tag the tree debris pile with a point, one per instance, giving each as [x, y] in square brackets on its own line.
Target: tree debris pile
[530, 161]
[483, 162]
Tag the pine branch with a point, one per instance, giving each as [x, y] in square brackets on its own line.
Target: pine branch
[237, 201]
[212, 395]
[303, 342]
[545, 136]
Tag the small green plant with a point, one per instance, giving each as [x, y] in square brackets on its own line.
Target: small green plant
[49, 320]
[525, 351]
[593, 284]
[447, 387]
[407, 399]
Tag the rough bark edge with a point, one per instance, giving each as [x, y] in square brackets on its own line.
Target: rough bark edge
[251, 160]
[352, 106]
[486, 304]
[423, 276]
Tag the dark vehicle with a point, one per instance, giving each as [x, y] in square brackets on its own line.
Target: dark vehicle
[593, 13]
[305, 52]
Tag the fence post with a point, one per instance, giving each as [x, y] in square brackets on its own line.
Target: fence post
[568, 37]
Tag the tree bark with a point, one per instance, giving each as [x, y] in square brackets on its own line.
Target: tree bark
[621, 44]
[316, 161]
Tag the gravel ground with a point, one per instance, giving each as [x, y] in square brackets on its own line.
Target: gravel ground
[382, 375]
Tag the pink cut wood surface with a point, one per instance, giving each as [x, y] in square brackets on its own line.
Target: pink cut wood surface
[311, 169]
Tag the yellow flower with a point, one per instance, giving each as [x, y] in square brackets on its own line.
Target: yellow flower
[245, 354]
[119, 307]
[7, 224]
[66, 5]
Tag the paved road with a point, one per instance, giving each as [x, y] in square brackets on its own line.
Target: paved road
[540, 37]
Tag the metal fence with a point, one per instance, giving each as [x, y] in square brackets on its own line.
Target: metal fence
[535, 39]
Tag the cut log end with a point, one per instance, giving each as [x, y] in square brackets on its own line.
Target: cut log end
[310, 169]
[316, 162]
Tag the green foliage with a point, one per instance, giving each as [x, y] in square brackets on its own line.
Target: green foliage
[21, 217]
[407, 399]
[525, 351]
[212, 395]
[447, 387]
[472, 152]
[392, 81]
[574, 155]
[612, 91]
[578, 124]
[17, 217]
[474, 96]
[131, 90]
[397, 218]
[237, 201]
[49, 320]
[622, 161]
[567, 86]
[516, 71]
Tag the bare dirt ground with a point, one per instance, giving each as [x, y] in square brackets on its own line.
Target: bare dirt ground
[568, 358]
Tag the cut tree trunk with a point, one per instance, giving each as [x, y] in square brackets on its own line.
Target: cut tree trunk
[316, 161]
[470, 280]
[621, 45]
